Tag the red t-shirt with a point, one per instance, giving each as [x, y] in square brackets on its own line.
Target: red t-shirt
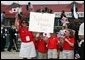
[41, 46]
[24, 32]
[53, 42]
[66, 46]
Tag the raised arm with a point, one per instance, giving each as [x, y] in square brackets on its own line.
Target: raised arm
[70, 43]
[17, 22]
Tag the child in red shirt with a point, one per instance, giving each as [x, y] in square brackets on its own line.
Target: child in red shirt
[41, 47]
[52, 46]
[68, 45]
[27, 49]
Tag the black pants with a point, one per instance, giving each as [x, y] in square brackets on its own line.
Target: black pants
[3, 43]
[81, 50]
[12, 44]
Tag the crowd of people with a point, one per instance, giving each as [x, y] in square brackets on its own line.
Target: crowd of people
[59, 45]
[38, 45]
[9, 37]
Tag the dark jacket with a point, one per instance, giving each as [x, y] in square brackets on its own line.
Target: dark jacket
[81, 51]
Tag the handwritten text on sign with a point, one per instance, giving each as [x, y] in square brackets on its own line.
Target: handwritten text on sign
[41, 22]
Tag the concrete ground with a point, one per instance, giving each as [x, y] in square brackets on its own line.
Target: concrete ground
[10, 55]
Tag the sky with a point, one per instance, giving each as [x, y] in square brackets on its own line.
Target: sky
[39, 2]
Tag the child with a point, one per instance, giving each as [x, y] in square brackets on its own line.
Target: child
[60, 43]
[68, 46]
[52, 46]
[27, 49]
[46, 36]
[41, 47]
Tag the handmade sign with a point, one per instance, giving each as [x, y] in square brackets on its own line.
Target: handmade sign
[41, 22]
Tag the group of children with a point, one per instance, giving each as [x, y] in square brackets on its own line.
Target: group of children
[55, 46]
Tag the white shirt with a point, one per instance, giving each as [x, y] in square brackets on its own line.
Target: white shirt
[80, 43]
[81, 29]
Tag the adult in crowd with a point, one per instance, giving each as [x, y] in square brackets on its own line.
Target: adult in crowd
[13, 43]
[2, 17]
[74, 25]
[3, 38]
[81, 43]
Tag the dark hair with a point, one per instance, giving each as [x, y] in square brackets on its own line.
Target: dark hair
[41, 35]
[50, 11]
[46, 9]
[20, 15]
[63, 11]
[63, 14]
[71, 32]
[3, 12]
[24, 21]
[29, 3]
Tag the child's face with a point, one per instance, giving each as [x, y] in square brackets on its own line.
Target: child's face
[53, 34]
[41, 35]
[61, 39]
[67, 33]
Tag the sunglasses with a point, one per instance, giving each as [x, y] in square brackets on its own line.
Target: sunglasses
[24, 22]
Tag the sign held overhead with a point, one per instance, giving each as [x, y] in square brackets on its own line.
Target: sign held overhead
[41, 22]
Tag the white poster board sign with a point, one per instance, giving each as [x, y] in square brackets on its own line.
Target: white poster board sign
[41, 22]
